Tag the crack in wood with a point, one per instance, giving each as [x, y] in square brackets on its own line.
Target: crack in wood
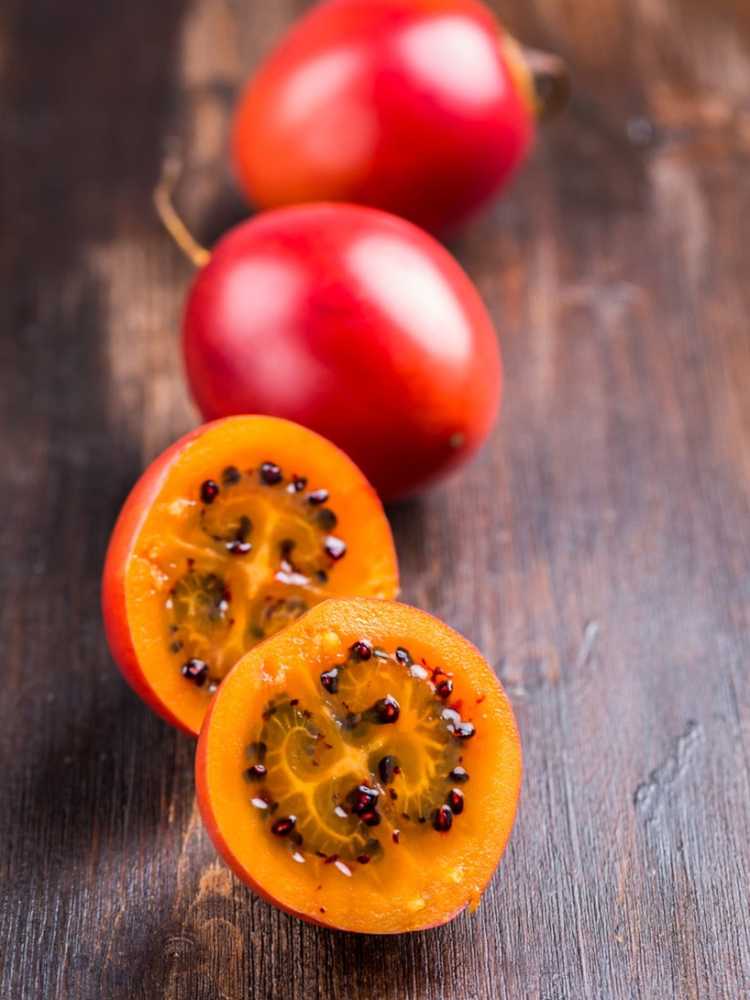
[586, 649]
[650, 794]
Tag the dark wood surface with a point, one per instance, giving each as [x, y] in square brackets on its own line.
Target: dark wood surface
[598, 550]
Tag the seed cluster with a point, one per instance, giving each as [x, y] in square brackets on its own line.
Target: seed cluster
[382, 796]
[201, 613]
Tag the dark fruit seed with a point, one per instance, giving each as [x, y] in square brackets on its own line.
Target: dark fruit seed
[330, 680]
[351, 721]
[361, 650]
[335, 547]
[464, 730]
[326, 519]
[255, 773]
[297, 838]
[283, 827]
[403, 656]
[387, 710]
[286, 547]
[238, 548]
[321, 576]
[460, 775]
[270, 473]
[297, 484]
[209, 491]
[244, 528]
[443, 819]
[370, 818]
[257, 751]
[175, 647]
[364, 800]
[444, 688]
[230, 475]
[363, 859]
[396, 836]
[195, 671]
[455, 801]
[317, 497]
[386, 769]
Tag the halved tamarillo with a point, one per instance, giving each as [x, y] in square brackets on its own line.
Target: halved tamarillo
[229, 535]
[361, 769]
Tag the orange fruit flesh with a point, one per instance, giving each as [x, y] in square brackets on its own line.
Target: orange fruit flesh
[361, 770]
[249, 530]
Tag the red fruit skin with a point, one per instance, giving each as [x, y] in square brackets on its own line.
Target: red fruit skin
[121, 543]
[405, 105]
[355, 324]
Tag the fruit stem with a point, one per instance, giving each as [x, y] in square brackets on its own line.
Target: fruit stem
[551, 82]
[164, 204]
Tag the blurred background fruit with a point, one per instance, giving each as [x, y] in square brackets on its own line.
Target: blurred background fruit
[422, 109]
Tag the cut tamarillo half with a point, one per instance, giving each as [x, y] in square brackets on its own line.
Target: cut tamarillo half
[338, 782]
[231, 534]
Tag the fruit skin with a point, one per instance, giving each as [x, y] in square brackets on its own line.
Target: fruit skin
[350, 617]
[414, 106]
[114, 605]
[354, 323]
[117, 626]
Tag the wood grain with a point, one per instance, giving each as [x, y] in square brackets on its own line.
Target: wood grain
[598, 551]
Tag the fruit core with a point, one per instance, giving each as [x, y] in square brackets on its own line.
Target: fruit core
[254, 552]
[366, 762]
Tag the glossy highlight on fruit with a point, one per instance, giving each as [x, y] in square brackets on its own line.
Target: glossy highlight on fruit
[419, 107]
[223, 542]
[353, 323]
[357, 820]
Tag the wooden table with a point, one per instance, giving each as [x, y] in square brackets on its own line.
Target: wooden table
[597, 551]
